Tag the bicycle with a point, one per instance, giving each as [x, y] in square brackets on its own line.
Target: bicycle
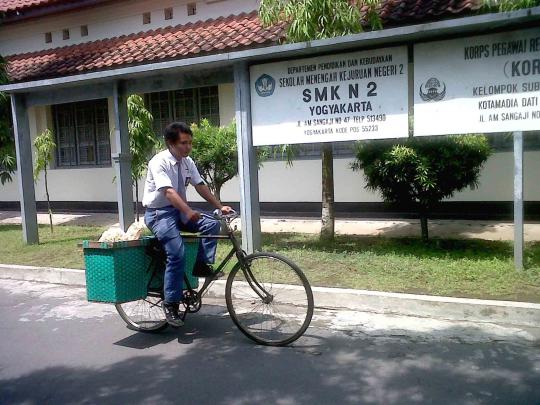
[268, 297]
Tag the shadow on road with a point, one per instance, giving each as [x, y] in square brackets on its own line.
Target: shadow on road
[221, 366]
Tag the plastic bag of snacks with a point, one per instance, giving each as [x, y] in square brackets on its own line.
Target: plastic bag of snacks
[115, 234]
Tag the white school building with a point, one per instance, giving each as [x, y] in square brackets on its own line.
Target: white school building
[47, 40]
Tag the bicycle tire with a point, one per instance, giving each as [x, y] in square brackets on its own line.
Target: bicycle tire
[282, 320]
[144, 315]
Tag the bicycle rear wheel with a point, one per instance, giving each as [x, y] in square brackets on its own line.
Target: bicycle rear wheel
[271, 300]
[145, 315]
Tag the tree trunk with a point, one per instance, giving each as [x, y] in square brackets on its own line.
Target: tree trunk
[137, 200]
[48, 200]
[327, 215]
[424, 225]
[217, 191]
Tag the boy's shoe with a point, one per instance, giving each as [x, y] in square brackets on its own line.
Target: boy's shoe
[202, 270]
[171, 314]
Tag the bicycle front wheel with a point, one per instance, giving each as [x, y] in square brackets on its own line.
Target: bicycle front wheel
[145, 315]
[270, 300]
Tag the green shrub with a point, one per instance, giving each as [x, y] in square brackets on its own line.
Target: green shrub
[420, 172]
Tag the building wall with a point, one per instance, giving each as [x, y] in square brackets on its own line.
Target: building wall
[107, 21]
[66, 184]
[227, 110]
[300, 183]
[278, 183]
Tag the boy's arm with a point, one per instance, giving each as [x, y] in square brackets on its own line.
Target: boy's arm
[178, 202]
[205, 193]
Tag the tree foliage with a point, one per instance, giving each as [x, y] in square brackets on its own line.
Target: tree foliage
[318, 19]
[308, 20]
[508, 5]
[142, 141]
[3, 71]
[45, 146]
[8, 163]
[419, 173]
[215, 152]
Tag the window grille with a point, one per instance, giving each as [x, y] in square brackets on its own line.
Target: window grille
[147, 18]
[184, 105]
[187, 105]
[82, 134]
[504, 141]
[209, 104]
[313, 150]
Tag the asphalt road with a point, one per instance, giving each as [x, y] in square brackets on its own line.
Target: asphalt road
[57, 348]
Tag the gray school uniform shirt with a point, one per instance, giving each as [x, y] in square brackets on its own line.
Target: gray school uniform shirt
[164, 170]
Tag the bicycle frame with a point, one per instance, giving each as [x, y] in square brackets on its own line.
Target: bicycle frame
[240, 256]
[249, 292]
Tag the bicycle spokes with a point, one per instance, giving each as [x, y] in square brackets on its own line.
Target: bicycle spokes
[269, 299]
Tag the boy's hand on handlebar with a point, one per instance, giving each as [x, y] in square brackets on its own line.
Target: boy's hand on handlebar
[226, 210]
[193, 216]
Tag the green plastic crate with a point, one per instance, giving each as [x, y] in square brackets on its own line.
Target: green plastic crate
[191, 247]
[118, 271]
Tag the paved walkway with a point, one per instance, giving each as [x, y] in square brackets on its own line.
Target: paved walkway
[489, 230]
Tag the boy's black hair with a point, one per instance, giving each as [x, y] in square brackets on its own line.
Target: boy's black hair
[174, 129]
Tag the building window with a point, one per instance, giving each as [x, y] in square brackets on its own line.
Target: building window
[313, 150]
[65, 34]
[187, 105]
[48, 37]
[191, 9]
[84, 30]
[146, 18]
[504, 142]
[82, 134]
[168, 13]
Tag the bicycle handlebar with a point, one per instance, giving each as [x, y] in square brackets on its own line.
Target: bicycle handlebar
[217, 214]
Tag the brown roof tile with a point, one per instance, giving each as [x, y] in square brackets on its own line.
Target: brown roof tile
[14, 5]
[162, 44]
[200, 38]
[402, 12]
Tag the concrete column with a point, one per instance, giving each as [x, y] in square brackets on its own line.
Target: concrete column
[518, 200]
[25, 178]
[247, 162]
[122, 158]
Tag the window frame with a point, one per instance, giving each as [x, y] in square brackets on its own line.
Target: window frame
[71, 109]
[172, 107]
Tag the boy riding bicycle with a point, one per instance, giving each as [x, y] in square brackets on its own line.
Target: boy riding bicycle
[169, 174]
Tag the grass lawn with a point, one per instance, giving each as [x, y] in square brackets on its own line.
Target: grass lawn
[460, 268]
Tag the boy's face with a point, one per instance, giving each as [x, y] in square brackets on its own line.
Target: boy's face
[182, 147]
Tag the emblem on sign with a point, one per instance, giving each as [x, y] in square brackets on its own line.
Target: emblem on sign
[432, 90]
[265, 85]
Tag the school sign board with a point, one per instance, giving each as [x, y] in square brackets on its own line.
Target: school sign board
[343, 97]
[478, 84]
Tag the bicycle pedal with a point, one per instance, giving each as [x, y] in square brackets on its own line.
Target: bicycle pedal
[217, 275]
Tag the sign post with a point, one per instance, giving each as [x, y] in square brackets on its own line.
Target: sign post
[247, 163]
[342, 97]
[482, 84]
[518, 200]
